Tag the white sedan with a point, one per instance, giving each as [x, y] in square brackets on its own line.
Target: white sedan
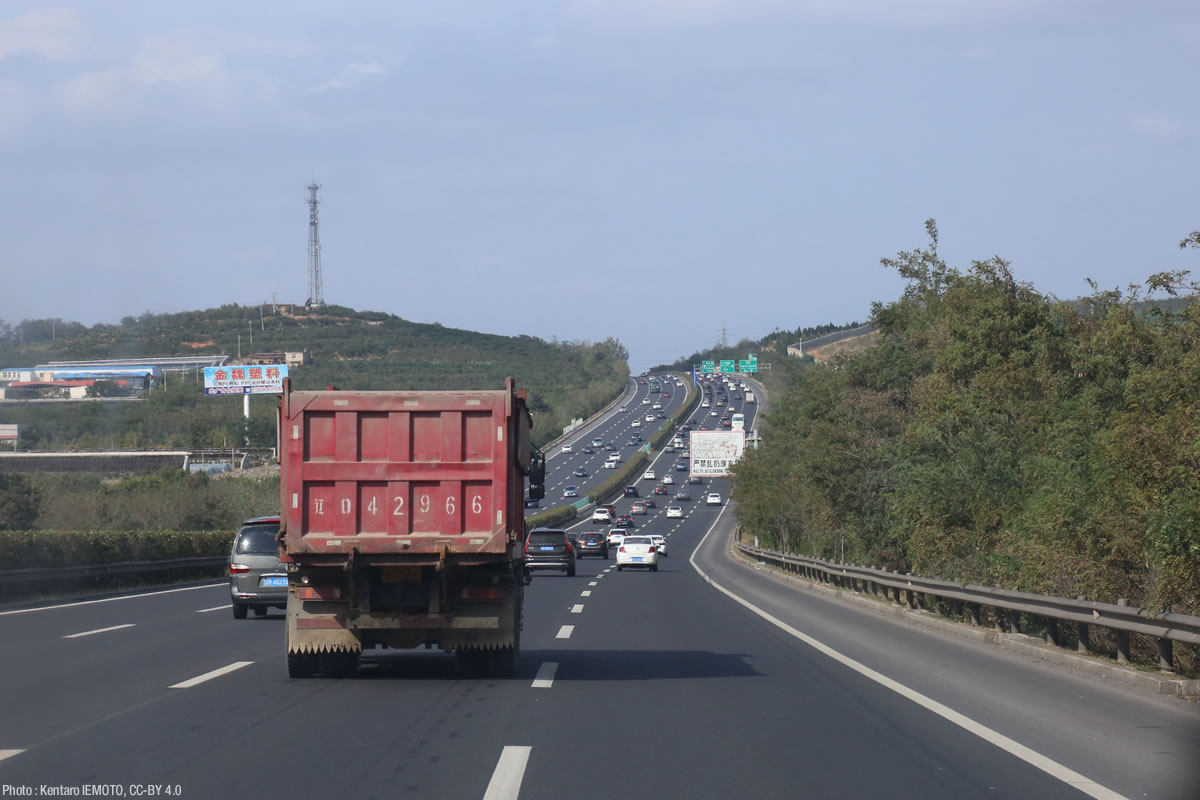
[637, 423]
[674, 512]
[714, 499]
[637, 551]
[616, 536]
[649, 476]
[667, 480]
[650, 418]
[566, 448]
[660, 543]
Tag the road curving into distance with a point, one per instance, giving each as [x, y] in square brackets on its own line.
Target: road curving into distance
[679, 688]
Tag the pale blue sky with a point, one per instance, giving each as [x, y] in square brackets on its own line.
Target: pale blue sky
[652, 170]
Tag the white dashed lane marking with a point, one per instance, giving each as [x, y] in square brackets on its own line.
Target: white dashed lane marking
[591, 583]
[545, 675]
[98, 630]
[214, 608]
[586, 593]
[577, 608]
[208, 676]
[565, 632]
[9, 753]
[510, 770]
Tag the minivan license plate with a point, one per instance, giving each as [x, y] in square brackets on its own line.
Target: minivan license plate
[274, 581]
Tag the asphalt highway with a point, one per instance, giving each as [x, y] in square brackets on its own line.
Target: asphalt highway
[706, 679]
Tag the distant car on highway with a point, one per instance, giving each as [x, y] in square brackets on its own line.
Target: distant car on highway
[597, 442]
[570, 491]
[649, 475]
[714, 499]
[257, 579]
[566, 448]
[661, 490]
[602, 515]
[547, 548]
[637, 551]
[674, 512]
[660, 542]
[592, 544]
[580, 472]
[638, 507]
[683, 494]
[615, 536]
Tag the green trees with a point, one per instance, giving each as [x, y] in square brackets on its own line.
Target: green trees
[998, 436]
[19, 502]
[350, 349]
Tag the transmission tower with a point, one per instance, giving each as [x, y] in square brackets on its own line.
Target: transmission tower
[724, 338]
[316, 293]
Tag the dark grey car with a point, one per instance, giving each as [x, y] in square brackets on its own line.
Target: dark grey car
[256, 578]
[549, 548]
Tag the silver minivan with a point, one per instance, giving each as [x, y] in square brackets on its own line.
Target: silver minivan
[256, 578]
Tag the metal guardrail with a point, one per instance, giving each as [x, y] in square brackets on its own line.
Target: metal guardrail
[99, 570]
[1120, 617]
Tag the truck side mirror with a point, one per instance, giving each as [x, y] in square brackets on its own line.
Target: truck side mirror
[537, 475]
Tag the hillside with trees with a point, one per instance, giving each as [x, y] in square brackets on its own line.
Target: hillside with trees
[350, 349]
[998, 436]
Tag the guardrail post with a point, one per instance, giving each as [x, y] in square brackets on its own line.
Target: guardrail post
[1166, 655]
[1052, 630]
[1014, 621]
[1122, 638]
[973, 613]
[1084, 645]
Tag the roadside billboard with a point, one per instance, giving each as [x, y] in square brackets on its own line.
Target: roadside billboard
[713, 452]
[261, 379]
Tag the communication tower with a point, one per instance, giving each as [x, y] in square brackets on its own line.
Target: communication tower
[316, 293]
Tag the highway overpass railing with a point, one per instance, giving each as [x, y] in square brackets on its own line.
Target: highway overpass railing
[968, 600]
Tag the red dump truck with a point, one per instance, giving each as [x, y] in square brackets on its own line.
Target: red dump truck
[402, 524]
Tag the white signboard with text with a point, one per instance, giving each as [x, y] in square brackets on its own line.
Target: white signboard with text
[258, 379]
[713, 452]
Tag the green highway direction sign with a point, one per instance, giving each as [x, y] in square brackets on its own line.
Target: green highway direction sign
[707, 366]
[727, 365]
[747, 366]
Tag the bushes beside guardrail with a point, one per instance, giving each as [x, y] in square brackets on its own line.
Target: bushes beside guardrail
[551, 518]
[57, 562]
[35, 549]
[624, 476]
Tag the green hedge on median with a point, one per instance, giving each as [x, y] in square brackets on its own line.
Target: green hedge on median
[552, 518]
[35, 549]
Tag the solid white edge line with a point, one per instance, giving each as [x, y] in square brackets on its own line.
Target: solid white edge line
[577, 608]
[110, 599]
[98, 630]
[1011, 746]
[545, 675]
[214, 608]
[510, 771]
[9, 753]
[565, 632]
[208, 676]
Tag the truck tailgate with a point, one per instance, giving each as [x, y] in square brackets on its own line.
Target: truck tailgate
[400, 472]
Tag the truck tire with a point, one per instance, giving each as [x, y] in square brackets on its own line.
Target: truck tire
[239, 611]
[338, 665]
[301, 665]
[470, 662]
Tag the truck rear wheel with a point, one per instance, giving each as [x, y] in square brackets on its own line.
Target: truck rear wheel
[301, 665]
[338, 665]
